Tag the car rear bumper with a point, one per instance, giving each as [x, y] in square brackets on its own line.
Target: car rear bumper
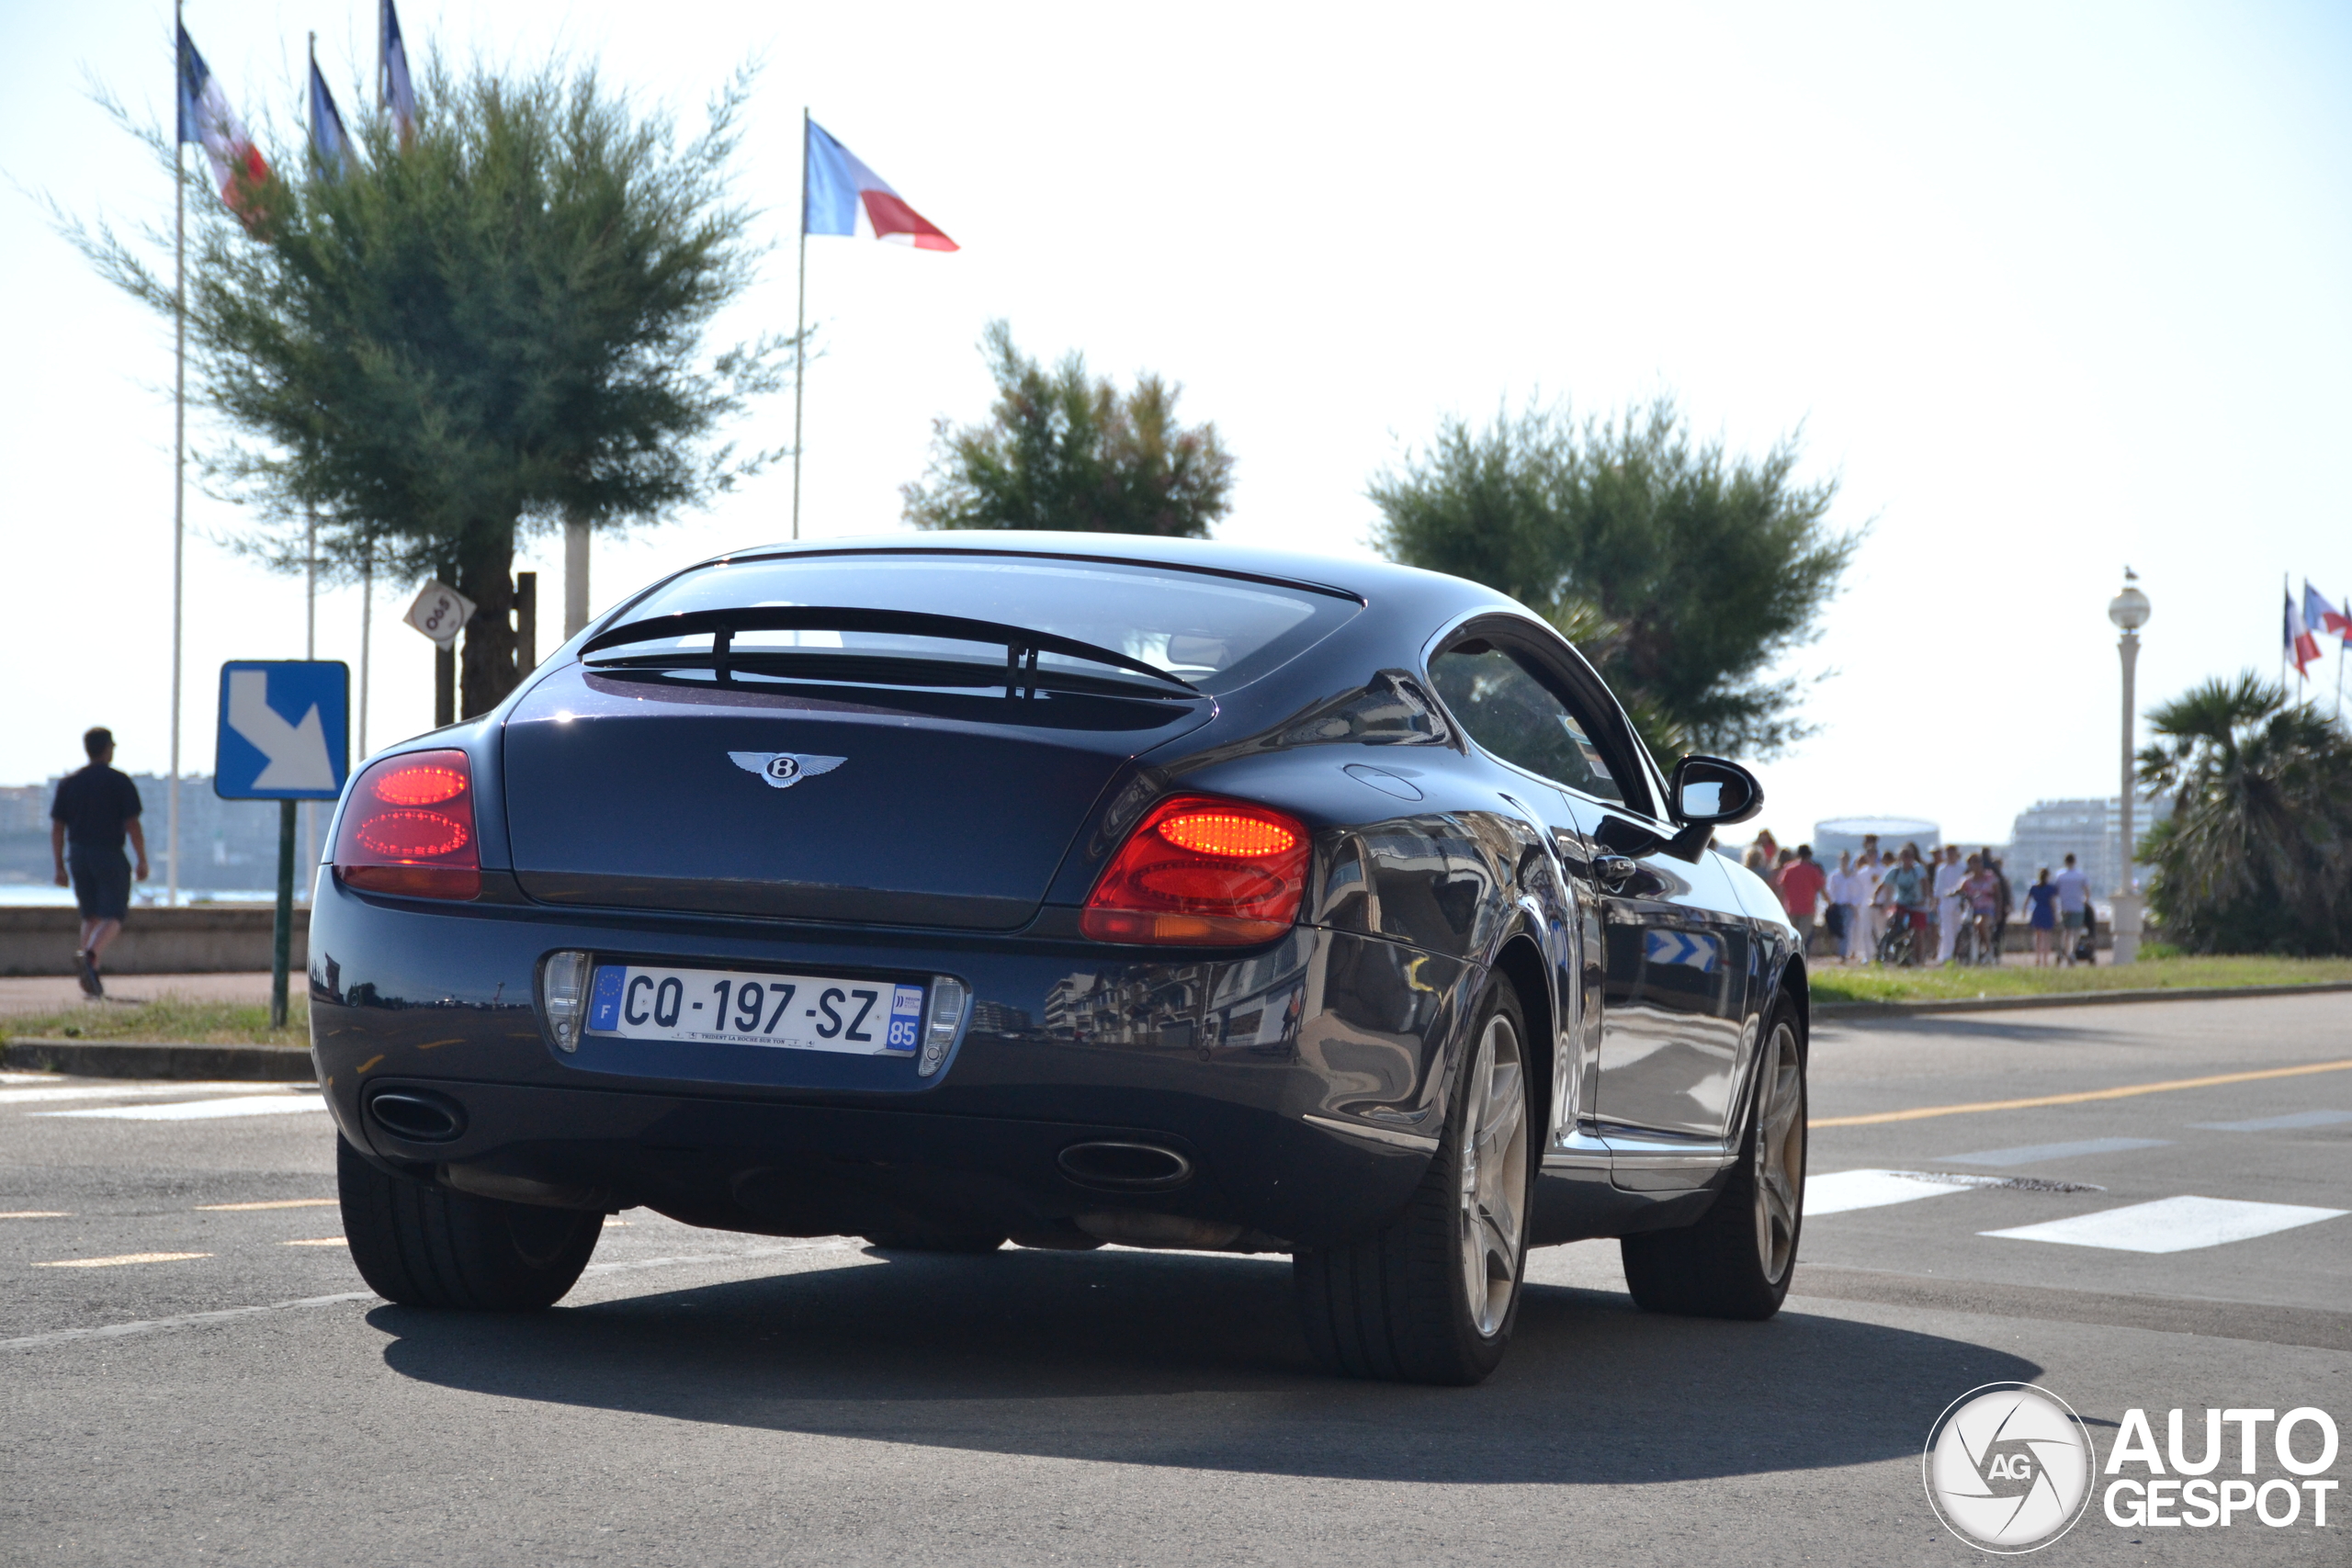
[1295, 1085]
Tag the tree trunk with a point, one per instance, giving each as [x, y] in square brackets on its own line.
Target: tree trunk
[486, 576]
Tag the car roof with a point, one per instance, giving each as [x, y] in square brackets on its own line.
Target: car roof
[1371, 580]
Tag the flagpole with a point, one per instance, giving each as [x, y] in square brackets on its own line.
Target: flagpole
[179, 467]
[801, 325]
[366, 613]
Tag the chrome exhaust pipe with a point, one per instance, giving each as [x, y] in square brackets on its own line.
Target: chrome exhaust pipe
[1134, 1168]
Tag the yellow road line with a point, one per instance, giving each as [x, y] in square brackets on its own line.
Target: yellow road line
[125, 1257]
[273, 1204]
[1922, 1113]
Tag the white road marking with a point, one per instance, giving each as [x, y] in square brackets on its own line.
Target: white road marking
[317, 1241]
[119, 1262]
[1841, 1190]
[224, 1314]
[38, 1214]
[203, 1109]
[2171, 1225]
[2034, 1154]
[185, 1320]
[99, 1091]
[2288, 1122]
[271, 1203]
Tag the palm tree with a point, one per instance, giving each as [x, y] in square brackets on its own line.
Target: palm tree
[2257, 856]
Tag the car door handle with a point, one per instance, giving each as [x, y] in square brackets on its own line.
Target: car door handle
[1614, 871]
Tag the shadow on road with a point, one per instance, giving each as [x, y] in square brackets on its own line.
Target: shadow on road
[1194, 1362]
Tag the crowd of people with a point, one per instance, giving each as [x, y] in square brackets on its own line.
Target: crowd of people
[1935, 902]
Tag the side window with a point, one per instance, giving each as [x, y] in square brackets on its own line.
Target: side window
[1519, 718]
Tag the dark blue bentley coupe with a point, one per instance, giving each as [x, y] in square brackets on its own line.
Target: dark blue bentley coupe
[1067, 889]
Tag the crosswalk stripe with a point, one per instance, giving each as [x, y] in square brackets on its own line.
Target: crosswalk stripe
[2171, 1225]
[116, 1091]
[2082, 1096]
[201, 1109]
[1838, 1192]
[2291, 1122]
[2034, 1154]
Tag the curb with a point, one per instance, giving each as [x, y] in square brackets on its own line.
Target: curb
[291, 1064]
[133, 1059]
[2069, 1000]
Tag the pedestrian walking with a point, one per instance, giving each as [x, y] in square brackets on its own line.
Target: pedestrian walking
[2041, 914]
[2007, 902]
[2074, 912]
[94, 810]
[1800, 884]
[1952, 906]
[1837, 910]
[1869, 875]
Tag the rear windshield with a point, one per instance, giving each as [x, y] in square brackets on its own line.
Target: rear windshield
[1214, 632]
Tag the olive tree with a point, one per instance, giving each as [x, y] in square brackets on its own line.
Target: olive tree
[483, 326]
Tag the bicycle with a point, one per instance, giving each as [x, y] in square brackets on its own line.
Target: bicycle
[1977, 944]
[1905, 944]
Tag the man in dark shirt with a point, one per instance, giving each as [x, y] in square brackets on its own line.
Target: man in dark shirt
[94, 809]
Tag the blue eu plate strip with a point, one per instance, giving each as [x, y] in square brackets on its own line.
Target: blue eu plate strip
[604, 999]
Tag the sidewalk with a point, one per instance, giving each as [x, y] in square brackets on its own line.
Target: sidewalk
[51, 993]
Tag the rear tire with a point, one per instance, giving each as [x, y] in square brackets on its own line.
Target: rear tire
[425, 1246]
[1737, 1260]
[1433, 1297]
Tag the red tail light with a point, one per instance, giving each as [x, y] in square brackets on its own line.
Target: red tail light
[409, 828]
[1202, 870]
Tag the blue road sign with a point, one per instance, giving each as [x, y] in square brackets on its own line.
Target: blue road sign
[285, 729]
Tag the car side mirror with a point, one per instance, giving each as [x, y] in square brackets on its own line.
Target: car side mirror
[1710, 792]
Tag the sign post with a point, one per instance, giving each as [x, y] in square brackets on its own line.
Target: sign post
[285, 735]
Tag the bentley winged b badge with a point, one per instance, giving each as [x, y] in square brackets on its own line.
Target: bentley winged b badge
[782, 769]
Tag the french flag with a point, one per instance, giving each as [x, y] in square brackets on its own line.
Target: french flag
[2321, 616]
[207, 120]
[836, 185]
[2303, 647]
[330, 143]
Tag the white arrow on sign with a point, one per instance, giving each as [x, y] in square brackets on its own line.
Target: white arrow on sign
[297, 752]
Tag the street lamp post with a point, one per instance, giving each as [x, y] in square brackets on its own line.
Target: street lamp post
[2128, 610]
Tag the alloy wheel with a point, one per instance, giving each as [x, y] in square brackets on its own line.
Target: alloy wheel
[1779, 1152]
[1494, 1174]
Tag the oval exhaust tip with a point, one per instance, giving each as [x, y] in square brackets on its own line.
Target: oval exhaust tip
[416, 1117]
[1129, 1167]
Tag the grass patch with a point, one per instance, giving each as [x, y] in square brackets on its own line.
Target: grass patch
[1875, 985]
[170, 1018]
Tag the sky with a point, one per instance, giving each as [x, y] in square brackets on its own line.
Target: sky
[2050, 290]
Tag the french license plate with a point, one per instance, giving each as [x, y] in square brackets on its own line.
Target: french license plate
[798, 1012]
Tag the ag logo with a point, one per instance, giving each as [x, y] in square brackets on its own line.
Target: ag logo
[2009, 1468]
[782, 769]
